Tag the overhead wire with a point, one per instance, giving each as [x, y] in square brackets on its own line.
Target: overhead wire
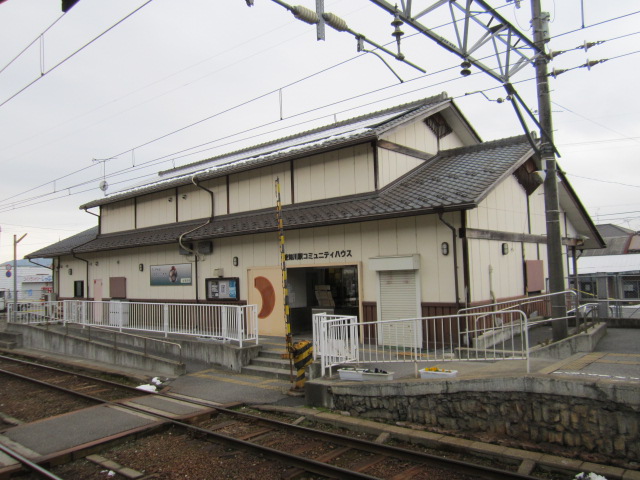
[254, 99]
[31, 43]
[67, 58]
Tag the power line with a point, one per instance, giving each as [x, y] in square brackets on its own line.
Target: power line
[603, 181]
[30, 44]
[233, 108]
[43, 74]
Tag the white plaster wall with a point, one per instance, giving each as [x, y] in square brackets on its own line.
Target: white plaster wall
[342, 172]
[117, 217]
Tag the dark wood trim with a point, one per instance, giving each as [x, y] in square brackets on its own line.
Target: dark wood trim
[100, 220]
[411, 152]
[376, 168]
[228, 195]
[135, 213]
[502, 236]
[466, 274]
[175, 200]
[293, 183]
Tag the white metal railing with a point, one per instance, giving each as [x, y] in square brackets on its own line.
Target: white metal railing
[225, 322]
[467, 336]
[35, 312]
[336, 339]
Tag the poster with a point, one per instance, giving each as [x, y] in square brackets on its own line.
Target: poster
[223, 288]
[178, 274]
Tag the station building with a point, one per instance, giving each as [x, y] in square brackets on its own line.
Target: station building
[401, 213]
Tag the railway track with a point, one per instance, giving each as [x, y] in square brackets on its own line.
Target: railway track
[299, 450]
[75, 383]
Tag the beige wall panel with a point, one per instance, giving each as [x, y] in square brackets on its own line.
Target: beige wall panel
[364, 171]
[336, 238]
[388, 237]
[117, 217]
[494, 275]
[438, 274]
[78, 272]
[302, 179]
[255, 189]
[198, 202]
[332, 163]
[415, 135]
[156, 209]
[451, 141]
[407, 235]
[343, 172]
[392, 165]
[536, 205]
[504, 209]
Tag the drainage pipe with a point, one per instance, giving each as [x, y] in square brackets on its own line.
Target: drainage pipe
[209, 220]
[454, 236]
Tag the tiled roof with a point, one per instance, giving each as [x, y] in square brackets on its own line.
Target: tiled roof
[352, 131]
[65, 247]
[453, 180]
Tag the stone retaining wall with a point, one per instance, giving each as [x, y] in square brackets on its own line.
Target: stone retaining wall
[603, 419]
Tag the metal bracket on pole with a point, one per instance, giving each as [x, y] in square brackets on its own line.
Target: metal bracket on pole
[320, 24]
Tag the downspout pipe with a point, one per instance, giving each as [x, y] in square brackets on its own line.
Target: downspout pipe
[454, 236]
[194, 180]
[73, 254]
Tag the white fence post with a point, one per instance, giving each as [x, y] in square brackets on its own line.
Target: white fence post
[165, 319]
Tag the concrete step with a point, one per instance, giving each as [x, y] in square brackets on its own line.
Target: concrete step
[272, 354]
[8, 344]
[270, 362]
[267, 372]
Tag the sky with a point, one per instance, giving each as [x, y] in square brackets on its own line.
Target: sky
[117, 91]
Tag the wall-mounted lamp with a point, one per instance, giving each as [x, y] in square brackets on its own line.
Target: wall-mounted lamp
[444, 247]
[70, 271]
[235, 261]
[141, 267]
[170, 199]
[184, 196]
[505, 248]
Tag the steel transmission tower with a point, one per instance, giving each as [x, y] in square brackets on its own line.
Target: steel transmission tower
[477, 32]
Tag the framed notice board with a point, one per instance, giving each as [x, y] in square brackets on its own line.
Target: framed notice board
[223, 288]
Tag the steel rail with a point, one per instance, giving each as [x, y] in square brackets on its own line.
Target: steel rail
[308, 465]
[29, 464]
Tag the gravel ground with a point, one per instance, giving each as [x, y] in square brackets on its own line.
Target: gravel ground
[29, 402]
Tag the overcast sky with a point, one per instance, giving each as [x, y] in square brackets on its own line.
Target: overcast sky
[243, 75]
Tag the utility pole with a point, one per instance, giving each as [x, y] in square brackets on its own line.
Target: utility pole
[15, 274]
[539, 21]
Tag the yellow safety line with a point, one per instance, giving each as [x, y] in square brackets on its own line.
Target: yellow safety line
[240, 382]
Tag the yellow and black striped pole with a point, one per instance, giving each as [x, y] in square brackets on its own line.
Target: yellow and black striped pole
[285, 290]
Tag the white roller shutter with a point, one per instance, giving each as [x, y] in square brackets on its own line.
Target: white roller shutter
[399, 300]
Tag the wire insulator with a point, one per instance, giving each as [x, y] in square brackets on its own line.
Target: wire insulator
[335, 22]
[305, 14]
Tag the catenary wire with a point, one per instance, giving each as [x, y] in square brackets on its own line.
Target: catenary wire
[33, 42]
[261, 96]
[64, 60]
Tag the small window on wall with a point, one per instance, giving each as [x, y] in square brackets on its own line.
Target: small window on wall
[78, 289]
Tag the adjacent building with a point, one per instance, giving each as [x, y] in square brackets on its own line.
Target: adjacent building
[400, 213]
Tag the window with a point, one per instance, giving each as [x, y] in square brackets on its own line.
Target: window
[78, 289]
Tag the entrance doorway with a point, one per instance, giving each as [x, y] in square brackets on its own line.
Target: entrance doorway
[333, 290]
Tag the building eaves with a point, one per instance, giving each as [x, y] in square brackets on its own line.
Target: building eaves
[454, 180]
[65, 246]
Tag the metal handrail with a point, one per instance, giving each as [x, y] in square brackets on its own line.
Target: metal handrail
[89, 327]
[519, 301]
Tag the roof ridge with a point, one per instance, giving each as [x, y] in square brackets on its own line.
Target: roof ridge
[501, 142]
[405, 106]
